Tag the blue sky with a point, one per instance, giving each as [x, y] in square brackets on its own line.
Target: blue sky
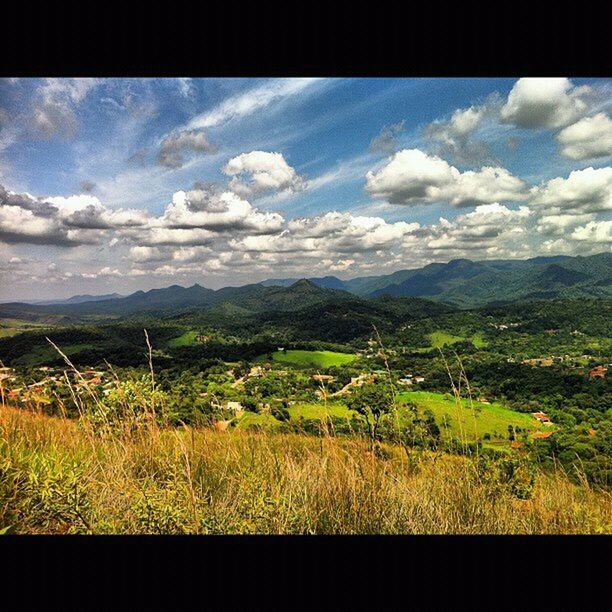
[122, 184]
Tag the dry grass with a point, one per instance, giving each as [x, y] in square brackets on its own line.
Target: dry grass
[58, 476]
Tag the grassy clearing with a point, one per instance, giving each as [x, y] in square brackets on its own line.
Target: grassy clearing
[478, 340]
[12, 327]
[56, 476]
[467, 423]
[312, 359]
[265, 421]
[304, 410]
[441, 338]
[186, 339]
[7, 332]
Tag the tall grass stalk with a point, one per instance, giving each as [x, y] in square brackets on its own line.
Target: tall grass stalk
[55, 479]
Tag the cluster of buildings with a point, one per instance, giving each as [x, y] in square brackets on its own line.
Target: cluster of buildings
[598, 371]
[542, 417]
[503, 326]
[409, 379]
[15, 388]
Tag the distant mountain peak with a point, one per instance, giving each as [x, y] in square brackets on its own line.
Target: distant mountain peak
[303, 283]
[454, 263]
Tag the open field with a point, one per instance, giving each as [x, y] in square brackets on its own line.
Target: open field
[463, 422]
[473, 420]
[440, 338]
[304, 410]
[317, 359]
[249, 420]
[186, 339]
[59, 477]
[12, 327]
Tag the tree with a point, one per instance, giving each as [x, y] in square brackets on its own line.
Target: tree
[373, 402]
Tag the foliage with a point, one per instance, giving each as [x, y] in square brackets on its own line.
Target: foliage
[373, 402]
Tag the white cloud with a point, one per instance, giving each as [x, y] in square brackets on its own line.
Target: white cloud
[21, 225]
[455, 137]
[560, 224]
[544, 103]
[588, 138]
[330, 234]
[583, 191]
[594, 232]
[173, 146]
[412, 176]
[87, 212]
[490, 227]
[248, 102]
[158, 236]
[223, 213]
[265, 171]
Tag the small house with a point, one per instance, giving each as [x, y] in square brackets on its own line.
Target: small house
[235, 406]
[543, 435]
[598, 372]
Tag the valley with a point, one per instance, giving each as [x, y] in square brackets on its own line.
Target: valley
[300, 359]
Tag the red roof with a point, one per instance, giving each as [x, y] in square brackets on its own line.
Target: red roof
[542, 435]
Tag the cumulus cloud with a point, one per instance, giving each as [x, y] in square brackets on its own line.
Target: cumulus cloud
[172, 149]
[226, 212]
[544, 103]
[265, 171]
[330, 234]
[87, 212]
[583, 191]
[22, 225]
[60, 221]
[487, 228]
[533, 103]
[167, 236]
[209, 229]
[588, 138]
[561, 224]
[412, 176]
[598, 232]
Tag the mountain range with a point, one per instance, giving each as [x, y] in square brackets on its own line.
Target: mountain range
[465, 283]
[460, 283]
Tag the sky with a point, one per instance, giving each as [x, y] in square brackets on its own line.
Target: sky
[116, 185]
